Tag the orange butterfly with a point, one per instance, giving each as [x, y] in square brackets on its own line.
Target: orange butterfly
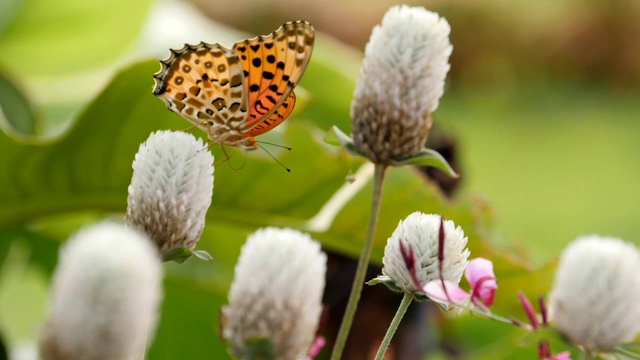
[237, 94]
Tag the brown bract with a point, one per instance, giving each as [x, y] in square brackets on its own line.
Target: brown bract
[383, 134]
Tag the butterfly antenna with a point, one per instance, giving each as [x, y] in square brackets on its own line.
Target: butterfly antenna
[244, 161]
[272, 144]
[273, 157]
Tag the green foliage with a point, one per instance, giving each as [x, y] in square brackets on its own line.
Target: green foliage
[53, 37]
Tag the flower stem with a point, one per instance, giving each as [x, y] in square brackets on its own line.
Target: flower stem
[363, 262]
[627, 353]
[404, 305]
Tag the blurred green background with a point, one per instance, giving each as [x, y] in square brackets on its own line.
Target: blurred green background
[541, 103]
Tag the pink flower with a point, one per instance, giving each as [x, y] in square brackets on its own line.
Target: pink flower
[483, 283]
[562, 356]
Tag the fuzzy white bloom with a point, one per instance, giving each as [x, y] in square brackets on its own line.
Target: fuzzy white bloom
[276, 293]
[420, 231]
[104, 296]
[594, 299]
[401, 81]
[171, 189]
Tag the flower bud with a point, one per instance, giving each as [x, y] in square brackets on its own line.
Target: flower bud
[171, 189]
[276, 294]
[401, 81]
[104, 296]
[594, 299]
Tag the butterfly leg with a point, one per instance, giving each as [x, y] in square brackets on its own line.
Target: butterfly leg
[228, 157]
[188, 128]
[226, 154]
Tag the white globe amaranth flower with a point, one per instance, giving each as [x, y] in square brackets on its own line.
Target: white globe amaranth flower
[400, 84]
[420, 232]
[104, 296]
[276, 293]
[594, 299]
[171, 189]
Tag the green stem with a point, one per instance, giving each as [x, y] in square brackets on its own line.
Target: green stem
[404, 305]
[363, 262]
[629, 354]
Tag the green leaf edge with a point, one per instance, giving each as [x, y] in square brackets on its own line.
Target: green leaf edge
[180, 255]
[428, 157]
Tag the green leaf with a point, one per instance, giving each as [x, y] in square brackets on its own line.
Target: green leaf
[428, 157]
[202, 255]
[8, 11]
[16, 116]
[181, 254]
[178, 255]
[55, 37]
[338, 138]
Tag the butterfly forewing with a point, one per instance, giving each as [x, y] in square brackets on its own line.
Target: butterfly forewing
[204, 84]
[273, 65]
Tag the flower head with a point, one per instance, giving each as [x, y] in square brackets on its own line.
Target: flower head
[276, 293]
[400, 84]
[594, 299]
[420, 232]
[104, 295]
[171, 189]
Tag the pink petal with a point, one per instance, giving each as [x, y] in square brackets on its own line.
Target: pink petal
[433, 289]
[477, 269]
[317, 345]
[480, 275]
[562, 356]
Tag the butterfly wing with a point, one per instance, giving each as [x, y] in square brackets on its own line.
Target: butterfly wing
[204, 84]
[273, 66]
[278, 116]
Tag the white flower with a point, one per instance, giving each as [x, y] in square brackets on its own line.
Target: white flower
[104, 296]
[171, 189]
[401, 81]
[276, 293]
[594, 299]
[420, 232]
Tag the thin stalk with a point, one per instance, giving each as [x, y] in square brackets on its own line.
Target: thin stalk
[363, 262]
[404, 305]
[629, 354]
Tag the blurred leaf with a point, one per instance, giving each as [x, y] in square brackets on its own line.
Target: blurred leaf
[8, 11]
[15, 109]
[54, 37]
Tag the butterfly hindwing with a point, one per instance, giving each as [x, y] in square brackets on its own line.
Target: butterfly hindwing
[204, 84]
[278, 116]
[272, 67]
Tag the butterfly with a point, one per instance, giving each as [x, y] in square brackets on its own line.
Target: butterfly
[237, 94]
